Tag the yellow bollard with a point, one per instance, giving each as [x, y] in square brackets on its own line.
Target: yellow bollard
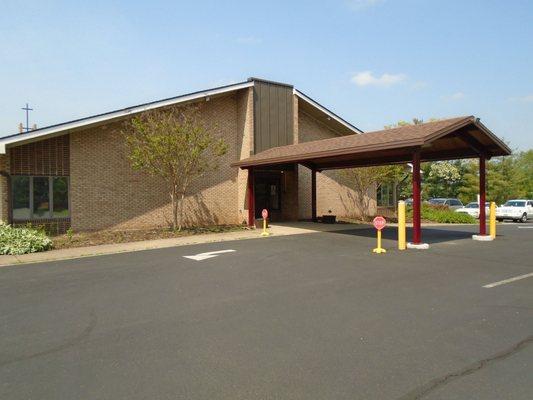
[492, 219]
[265, 233]
[379, 249]
[401, 225]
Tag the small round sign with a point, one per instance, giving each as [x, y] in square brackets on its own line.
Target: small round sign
[379, 222]
[264, 213]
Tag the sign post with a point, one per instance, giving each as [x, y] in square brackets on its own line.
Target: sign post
[264, 214]
[379, 224]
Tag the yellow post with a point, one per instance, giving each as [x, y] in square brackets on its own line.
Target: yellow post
[401, 225]
[492, 219]
[265, 233]
[379, 249]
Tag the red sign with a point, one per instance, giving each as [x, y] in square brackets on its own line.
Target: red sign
[264, 213]
[379, 222]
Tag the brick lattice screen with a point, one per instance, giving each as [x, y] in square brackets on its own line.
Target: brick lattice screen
[46, 157]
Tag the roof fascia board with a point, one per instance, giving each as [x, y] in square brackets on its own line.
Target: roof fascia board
[467, 121]
[326, 111]
[27, 137]
[327, 153]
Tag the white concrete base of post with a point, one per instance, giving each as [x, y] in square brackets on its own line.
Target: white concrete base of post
[418, 246]
[482, 238]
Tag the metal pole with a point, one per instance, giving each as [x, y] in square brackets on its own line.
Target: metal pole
[313, 195]
[482, 197]
[417, 234]
[251, 198]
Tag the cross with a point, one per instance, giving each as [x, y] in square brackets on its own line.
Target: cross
[27, 109]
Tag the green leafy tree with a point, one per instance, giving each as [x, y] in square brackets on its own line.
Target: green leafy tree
[524, 174]
[442, 178]
[175, 145]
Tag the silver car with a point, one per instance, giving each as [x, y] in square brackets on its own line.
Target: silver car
[453, 204]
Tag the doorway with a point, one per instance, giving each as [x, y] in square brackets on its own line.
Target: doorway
[267, 189]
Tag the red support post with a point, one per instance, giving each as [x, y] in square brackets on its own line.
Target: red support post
[482, 197]
[313, 195]
[251, 198]
[417, 234]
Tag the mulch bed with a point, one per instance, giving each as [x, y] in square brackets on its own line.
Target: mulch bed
[110, 237]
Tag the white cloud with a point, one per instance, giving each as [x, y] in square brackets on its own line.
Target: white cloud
[367, 78]
[248, 40]
[357, 5]
[455, 96]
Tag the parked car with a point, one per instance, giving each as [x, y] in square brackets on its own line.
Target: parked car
[517, 210]
[453, 204]
[473, 209]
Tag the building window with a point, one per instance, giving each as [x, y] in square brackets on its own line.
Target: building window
[385, 195]
[21, 197]
[39, 197]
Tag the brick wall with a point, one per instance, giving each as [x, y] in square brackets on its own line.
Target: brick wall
[49, 157]
[46, 157]
[245, 146]
[107, 193]
[332, 193]
[4, 187]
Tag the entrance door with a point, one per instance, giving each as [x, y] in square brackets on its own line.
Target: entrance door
[268, 195]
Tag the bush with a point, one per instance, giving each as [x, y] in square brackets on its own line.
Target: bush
[16, 241]
[443, 215]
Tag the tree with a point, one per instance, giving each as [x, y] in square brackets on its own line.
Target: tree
[175, 145]
[441, 178]
[362, 180]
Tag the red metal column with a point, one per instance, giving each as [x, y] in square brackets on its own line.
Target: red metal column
[251, 198]
[482, 197]
[313, 195]
[416, 198]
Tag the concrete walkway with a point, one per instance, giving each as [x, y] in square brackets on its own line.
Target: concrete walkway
[282, 229]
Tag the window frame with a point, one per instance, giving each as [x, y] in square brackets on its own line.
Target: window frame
[50, 214]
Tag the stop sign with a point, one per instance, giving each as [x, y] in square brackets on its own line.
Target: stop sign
[264, 213]
[379, 222]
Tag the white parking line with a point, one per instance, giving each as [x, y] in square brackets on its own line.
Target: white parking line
[516, 278]
[525, 227]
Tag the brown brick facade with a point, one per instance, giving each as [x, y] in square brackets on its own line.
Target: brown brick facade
[107, 193]
[332, 193]
[47, 157]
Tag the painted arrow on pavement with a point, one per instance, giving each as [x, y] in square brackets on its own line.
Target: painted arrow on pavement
[205, 256]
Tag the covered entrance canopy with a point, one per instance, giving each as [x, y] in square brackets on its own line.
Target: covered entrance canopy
[455, 138]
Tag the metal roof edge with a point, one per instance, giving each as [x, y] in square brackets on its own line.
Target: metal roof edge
[111, 115]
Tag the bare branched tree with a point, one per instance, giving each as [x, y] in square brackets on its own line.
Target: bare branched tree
[364, 180]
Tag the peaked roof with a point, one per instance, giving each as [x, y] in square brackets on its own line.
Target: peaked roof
[94, 120]
[462, 137]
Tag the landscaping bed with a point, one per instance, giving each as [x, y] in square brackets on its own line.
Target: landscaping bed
[95, 238]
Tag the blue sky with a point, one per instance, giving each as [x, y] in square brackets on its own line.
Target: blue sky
[373, 62]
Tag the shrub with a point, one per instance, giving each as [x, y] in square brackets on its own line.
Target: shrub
[443, 214]
[16, 241]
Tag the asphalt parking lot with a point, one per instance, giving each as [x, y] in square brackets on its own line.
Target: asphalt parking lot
[314, 316]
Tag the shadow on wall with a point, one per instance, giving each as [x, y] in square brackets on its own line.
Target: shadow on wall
[197, 212]
[347, 198]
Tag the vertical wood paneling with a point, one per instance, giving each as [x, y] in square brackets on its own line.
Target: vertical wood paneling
[273, 115]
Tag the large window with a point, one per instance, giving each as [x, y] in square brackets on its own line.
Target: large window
[385, 195]
[38, 197]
